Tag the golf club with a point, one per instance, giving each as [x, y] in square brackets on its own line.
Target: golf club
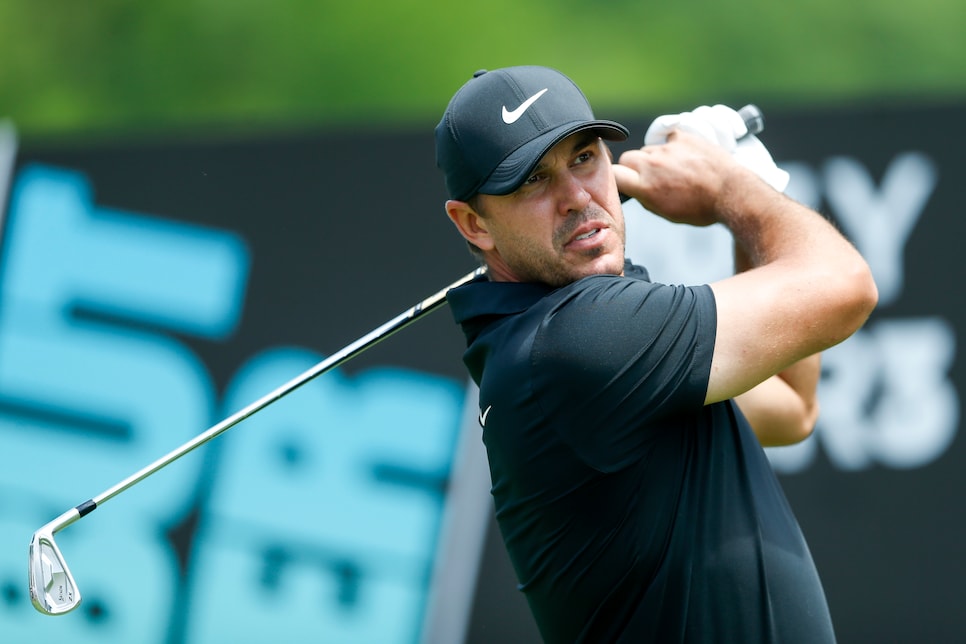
[53, 590]
[753, 118]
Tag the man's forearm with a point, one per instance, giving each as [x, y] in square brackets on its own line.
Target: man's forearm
[777, 413]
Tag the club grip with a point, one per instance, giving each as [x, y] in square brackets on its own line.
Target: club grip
[753, 118]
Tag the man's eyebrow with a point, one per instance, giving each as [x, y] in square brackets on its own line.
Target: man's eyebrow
[584, 139]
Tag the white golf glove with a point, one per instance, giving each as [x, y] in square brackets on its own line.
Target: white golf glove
[722, 125]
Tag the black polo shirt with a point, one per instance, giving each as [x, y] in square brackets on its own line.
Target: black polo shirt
[631, 511]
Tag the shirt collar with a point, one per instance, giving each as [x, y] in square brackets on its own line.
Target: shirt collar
[483, 298]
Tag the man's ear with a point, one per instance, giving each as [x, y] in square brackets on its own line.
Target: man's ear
[470, 224]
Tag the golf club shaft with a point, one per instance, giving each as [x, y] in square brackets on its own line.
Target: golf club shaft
[340, 357]
[753, 120]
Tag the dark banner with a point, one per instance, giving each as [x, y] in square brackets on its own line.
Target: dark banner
[150, 288]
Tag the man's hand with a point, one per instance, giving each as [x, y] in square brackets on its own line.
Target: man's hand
[726, 127]
[718, 124]
[685, 180]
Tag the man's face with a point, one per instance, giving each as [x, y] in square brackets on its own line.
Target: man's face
[564, 223]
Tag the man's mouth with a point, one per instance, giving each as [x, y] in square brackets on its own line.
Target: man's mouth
[587, 235]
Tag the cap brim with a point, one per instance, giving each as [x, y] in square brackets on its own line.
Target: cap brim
[519, 164]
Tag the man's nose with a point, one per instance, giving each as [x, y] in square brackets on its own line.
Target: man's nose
[573, 194]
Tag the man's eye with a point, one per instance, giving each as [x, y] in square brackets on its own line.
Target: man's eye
[532, 179]
[584, 157]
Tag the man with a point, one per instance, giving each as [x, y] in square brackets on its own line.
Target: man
[624, 419]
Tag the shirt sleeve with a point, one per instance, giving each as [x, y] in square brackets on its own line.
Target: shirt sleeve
[615, 359]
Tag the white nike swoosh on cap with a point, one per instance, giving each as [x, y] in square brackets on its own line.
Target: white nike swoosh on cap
[511, 117]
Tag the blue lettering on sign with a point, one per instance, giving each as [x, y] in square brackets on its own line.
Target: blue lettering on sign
[327, 508]
[322, 515]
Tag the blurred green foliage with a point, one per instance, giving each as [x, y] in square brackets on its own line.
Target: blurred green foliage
[69, 66]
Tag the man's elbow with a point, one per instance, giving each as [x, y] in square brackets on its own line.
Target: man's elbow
[865, 295]
[809, 420]
[794, 433]
[857, 299]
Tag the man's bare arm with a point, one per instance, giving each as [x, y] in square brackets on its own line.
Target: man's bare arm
[807, 288]
[783, 409]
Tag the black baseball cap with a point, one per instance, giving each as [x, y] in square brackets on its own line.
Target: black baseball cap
[499, 125]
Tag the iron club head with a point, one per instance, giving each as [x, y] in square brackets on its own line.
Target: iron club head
[52, 587]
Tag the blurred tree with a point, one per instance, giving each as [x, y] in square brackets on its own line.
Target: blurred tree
[188, 64]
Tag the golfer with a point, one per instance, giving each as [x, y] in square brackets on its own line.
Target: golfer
[624, 419]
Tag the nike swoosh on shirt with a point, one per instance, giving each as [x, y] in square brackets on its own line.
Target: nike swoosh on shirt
[511, 117]
[483, 415]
